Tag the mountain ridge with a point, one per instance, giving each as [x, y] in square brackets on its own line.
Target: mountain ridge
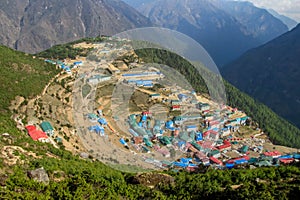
[32, 26]
[288, 21]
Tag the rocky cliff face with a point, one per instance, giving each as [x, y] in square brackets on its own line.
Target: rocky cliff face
[35, 25]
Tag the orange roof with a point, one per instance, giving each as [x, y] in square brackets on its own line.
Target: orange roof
[272, 153]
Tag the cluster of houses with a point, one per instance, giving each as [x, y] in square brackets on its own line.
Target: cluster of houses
[207, 147]
[204, 138]
[63, 66]
[99, 123]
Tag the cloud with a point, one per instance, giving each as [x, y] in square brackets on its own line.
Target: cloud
[290, 8]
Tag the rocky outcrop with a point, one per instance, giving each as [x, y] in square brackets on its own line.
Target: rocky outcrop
[39, 175]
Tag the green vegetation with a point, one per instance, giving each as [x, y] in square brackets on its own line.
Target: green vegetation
[22, 75]
[280, 131]
[81, 179]
[63, 51]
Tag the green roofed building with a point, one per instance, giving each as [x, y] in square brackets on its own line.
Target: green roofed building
[92, 116]
[47, 128]
[244, 149]
[59, 62]
[155, 96]
[203, 106]
[215, 153]
[175, 102]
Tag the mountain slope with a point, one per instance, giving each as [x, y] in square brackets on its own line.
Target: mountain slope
[258, 22]
[271, 73]
[220, 27]
[286, 20]
[35, 25]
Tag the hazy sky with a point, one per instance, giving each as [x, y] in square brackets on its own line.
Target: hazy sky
[290, 8]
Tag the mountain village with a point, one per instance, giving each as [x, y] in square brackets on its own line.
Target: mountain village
[166, 126]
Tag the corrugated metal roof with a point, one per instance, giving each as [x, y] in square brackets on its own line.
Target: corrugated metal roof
[46, 126]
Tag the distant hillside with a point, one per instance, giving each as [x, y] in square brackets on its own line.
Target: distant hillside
[35, 25]
[226, 29]
[286, 20]
[257, 22]
[271, 73]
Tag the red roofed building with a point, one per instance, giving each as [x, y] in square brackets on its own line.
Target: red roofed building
[246, 157]
[211, 135]
[36, 135]
[146, 113]
[287, 160]
[226, 145]
[176, 107]
[207, 133]
[273, 154]
[205, 112]
[215, 160]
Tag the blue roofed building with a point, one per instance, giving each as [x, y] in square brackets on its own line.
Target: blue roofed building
[78, 63]
[199, 136]
[97, 129]
[102, 121]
